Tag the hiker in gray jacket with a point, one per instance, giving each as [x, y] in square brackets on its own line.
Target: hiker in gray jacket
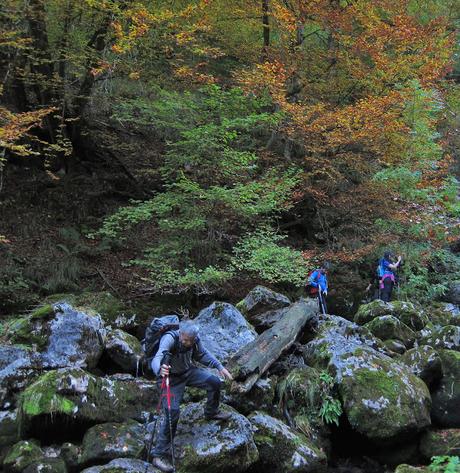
[185, 348]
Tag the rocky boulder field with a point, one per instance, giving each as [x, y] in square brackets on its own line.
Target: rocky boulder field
[75, 395]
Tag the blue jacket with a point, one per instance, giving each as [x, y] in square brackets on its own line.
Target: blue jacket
[318, 279]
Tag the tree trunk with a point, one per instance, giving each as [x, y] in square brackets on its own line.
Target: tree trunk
[251, 361]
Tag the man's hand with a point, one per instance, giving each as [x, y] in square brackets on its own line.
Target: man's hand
[164, 370]
[325, 293]
[226, 374]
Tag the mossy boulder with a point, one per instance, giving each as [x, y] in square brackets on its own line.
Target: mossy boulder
[441, 314]
[208, 446]
[260, 300]
[112, 310]
[124, 350]
[440, 442]
[424, 362]
[407, 312]
[111, 440]
[388, 327]
[21, 455]
[445, 411]
[9, 427]
[410, 314]
[72, 396]
[18, 366]
[123, 465]
[370, 311]
[283, 450]
[447, 337]
[224, 330]
[382, 399]
[334, 336]
[47, 465]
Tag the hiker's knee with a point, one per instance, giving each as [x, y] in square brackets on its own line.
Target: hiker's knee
[213, 383]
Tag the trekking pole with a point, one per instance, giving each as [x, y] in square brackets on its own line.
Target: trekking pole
[166, 360]
[164, 392]
[321, 303]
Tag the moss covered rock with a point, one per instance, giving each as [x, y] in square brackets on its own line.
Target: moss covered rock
[123, 465]
[442, 313]
[368, 312]
[424, 362]
[282, 450]
[453, 294]
[447, 337]
[209, 446]
[260, 397]
[382, 399]
[408, 313]
[124, 350]
[71, 454]
[111, 440]
[388, 327]
[21, 455]
[112, 310]
[439, 442]
[260, 300]
[445, 411]
[17, 370]
[71, 395]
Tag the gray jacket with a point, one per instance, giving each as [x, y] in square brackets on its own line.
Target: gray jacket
[182, 358]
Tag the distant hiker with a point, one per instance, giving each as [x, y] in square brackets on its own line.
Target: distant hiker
[386, 274]
[317, 286]
[184, 346]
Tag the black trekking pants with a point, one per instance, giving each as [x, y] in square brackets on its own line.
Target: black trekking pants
[385, 293]
[198, 378]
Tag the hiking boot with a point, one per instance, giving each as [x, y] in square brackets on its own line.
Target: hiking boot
[162, 464]
[220, 415]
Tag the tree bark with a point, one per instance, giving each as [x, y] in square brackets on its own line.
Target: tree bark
[251, 361]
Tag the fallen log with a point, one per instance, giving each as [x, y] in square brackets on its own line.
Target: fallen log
[249, 363]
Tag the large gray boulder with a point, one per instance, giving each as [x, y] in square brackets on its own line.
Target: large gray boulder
[210, 446]
[283, 450]
[17, 369]
[425, 363]
[443, 313]
[224, 330]
[388, 327]
[124, 350]
[445, 411]
[70, 396]
[108, 441]
[447, 337]
[260, 300]
[75, 339]
[381, 398]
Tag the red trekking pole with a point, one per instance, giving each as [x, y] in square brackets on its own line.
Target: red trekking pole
[164, 392]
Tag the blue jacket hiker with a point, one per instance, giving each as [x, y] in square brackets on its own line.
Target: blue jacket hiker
[184, 347]
[386, 273]
[318, 286]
